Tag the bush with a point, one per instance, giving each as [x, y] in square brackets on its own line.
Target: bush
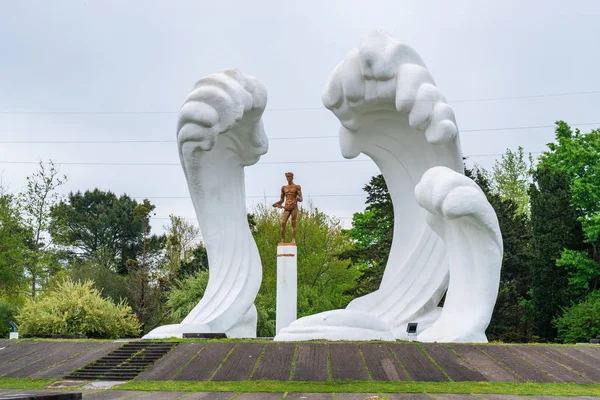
[75, 307]
[109, 282]
[185, 294]
[580, 322]
[7, 313]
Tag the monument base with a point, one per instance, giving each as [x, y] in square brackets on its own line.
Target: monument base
[175, 331]
[287, 286]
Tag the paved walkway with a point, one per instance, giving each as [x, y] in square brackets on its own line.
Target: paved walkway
[122, 394]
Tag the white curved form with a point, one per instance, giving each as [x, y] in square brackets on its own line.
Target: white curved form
[460, 214]
[220, 131]
[391, 110]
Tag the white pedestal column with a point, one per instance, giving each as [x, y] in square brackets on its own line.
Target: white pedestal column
[287, 286]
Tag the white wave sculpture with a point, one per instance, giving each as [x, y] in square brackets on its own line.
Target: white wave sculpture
[220, 131]
[446, 234]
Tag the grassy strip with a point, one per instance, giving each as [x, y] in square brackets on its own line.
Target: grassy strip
[293, 366]
[434, 363]
[25, 383]
[258, 360]
[188, 362]
[223, 361]
[364, 361]
[524, 389]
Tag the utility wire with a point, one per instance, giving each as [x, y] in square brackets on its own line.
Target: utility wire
[260, 163]
[147, 164]
[510, 128]
[35, 112]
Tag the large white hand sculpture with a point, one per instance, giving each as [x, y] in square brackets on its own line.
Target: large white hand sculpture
[220, 131]
[391, 110]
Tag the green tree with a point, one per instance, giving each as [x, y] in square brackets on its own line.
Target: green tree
[93, 221]
[105, 279]
[577, 156]
[181, 245]
[7, 314]
[371, 234]
[511, 177]
[554, 227]
[198, 262]
[36, 202]
[74, 307]
[145, 271]
[13, 246]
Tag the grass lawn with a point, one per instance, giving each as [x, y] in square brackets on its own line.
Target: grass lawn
[528, 389]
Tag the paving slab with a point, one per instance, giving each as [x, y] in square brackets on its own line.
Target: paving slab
[533, 355]
[484, 364]
[240, 363]
[591, 351]
[416, 363]
[60, 354]
[172, 362]
[588, 372]
[357, 396]
[260, 396]
[309, 396]
[32, 357]
[455, 397]
[593, 367]
[347, 362]
[25, 349]
[457, 369]
[408, 396]
[159, 396]
[96, 351]
[499, 397]
[210, 396]
[7, 343]
[276, 362]
[205, 363]
[382, 363]
[111, 395]
[13, 348]
[509, 359]
[311, 363]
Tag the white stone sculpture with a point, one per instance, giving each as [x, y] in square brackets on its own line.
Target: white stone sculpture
[220, 131]
[446, 235]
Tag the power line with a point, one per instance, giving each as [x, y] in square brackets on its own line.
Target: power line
[146, 164]
[37, 112]
[510, 128]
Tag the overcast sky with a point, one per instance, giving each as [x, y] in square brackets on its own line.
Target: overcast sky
[119, 70]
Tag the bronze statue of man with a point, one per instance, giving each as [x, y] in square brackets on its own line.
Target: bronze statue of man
[291, 194]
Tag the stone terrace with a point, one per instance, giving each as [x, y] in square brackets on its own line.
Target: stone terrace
[365, 361]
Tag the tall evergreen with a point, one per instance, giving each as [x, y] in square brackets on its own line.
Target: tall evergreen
[554, 227]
